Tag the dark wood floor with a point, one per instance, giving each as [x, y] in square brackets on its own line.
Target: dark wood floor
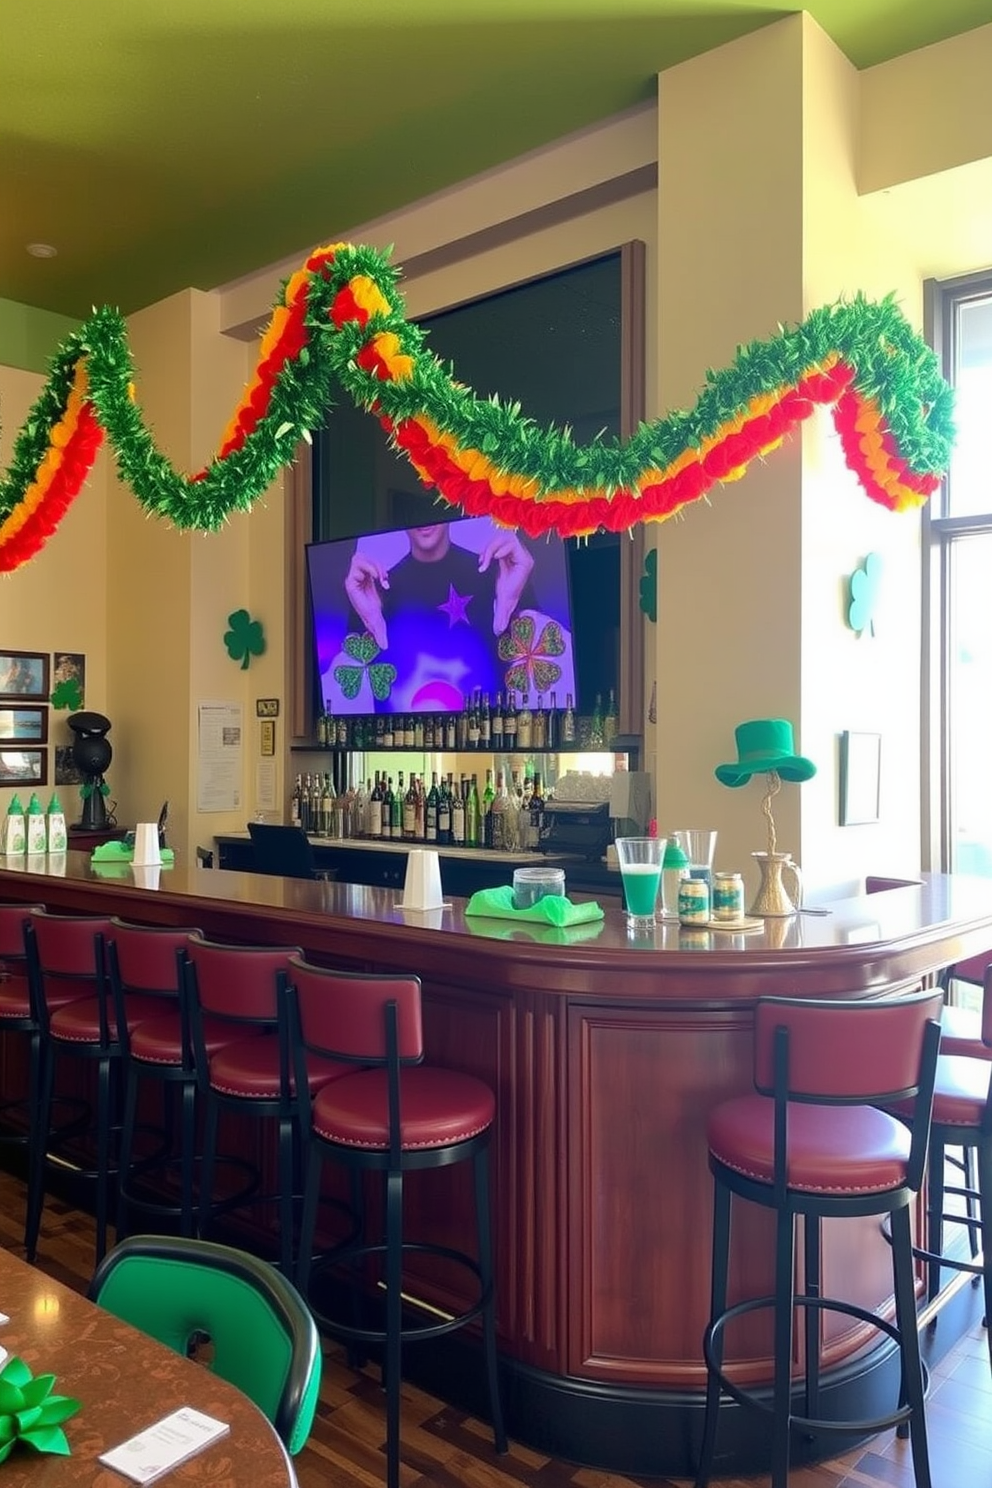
[443, 1448]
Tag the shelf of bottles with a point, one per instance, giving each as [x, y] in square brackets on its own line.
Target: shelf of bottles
[375, 793]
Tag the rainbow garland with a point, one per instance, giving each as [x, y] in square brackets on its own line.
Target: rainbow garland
[340, 319]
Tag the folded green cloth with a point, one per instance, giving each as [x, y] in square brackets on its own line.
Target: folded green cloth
[540, 934]
[553, 909]
[120, 852]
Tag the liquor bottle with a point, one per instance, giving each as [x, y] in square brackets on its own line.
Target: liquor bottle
[375, 810]
[341, 740]
[488, 799]
[409, 731]
[326, 805]
[539, 732]
[473, 815]
[409, 827]
[429, 731]
[418, 732]
[444, 814]
[451, 731]
[380, 731]
[322, 730]
[396, 810]
[497, 723]
[551, 723]
[294, 802]
[432, 811]
[510, 723]
[461, 728]
[525, 724]
[496, 819]
[511, 820]
[388, 735]
[568, 723]
[485, 723]
[596, 724]
[458, 820]
[473, 723]
[387, 809]
[536, 815]
[611, 723]
[420, 812]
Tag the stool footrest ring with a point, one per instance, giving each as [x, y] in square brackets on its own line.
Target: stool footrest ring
[750, 1400]
[345, 1255]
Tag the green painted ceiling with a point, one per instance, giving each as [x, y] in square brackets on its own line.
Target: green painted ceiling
[191, 141]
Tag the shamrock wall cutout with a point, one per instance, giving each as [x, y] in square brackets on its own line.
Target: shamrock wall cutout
[68, 694]
[245, 638]
[649, 585]
[865, 585]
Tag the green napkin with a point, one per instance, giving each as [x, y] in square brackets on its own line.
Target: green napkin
[30, 1413]
[553, 909]
[120, 852]
[540, 934]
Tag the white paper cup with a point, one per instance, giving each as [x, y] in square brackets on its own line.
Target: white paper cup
[422, 885]
[146, 852]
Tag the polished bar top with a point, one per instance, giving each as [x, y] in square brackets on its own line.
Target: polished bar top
[896, 934]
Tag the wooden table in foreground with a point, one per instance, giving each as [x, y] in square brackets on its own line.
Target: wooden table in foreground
[125, 1382]
[606, 1054]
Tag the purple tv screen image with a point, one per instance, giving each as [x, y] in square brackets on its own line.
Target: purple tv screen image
[418, 619]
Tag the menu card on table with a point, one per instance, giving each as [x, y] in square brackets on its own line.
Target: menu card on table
[158, 1449]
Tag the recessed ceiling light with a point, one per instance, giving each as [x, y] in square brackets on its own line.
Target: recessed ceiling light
[42, 250]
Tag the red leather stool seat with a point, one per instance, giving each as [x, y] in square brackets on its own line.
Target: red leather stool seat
[250, 1069]
[439, 1106]
[832, 1149]
[158, 1040]
[79, 1021]
[15, 995]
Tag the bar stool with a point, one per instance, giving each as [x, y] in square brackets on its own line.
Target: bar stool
[16, 1015]
[67, 976]
[961, 1028]
[235, 988]
[812, 1142]
[145, 962]
[962, 1118]
[391, 1115]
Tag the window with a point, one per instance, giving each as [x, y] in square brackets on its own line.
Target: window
[959, 528]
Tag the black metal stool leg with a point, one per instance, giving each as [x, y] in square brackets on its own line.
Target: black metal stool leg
[393, 1362]
[909, 1343]
[714, 1342]
[811, 1320]
[187, 1156]
[935, 1213]
[126, 1149]
[207, 1166]
[287, 1188]
[785, 1244]
[37, 1159]
[480, 1169]
[983, 1158]
[104, 1099]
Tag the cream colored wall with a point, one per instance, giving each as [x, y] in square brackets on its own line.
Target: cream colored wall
[728, 641]
[58, 602]
[850, 681]
[172, 591]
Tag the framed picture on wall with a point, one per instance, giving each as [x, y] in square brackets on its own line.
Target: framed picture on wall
[860, 778]
[23, 676]
[23, 766]
[25, 725]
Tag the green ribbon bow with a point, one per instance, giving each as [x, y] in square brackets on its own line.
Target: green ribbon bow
[30, 1413]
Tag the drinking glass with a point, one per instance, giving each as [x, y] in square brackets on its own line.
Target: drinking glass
[699, 845]
[640, 861]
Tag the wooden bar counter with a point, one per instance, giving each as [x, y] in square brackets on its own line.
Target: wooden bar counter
[606, 1054]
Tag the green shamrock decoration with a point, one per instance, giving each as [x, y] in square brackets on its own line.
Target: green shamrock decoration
[381, 674]
[245, 638]
[648, 586]
[68, 694]
[865, 585]
[30, 1413]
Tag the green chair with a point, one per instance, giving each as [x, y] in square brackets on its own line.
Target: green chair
[263, 1336]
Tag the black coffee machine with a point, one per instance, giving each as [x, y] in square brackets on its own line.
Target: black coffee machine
[91, 753]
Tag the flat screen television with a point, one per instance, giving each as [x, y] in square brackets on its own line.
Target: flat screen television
[419, 619]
